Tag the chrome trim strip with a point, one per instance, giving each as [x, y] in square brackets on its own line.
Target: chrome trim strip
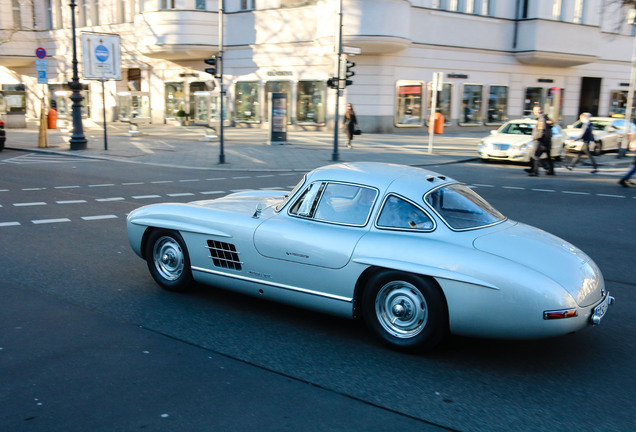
[275, 285]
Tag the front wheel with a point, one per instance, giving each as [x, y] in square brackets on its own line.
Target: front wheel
[168, 260]
[406, 312]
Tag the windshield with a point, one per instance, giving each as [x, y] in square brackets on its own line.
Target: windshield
[461, 208]
[291, 194]
[517, 128]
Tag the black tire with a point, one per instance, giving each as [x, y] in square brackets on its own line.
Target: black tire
[406, 312]
[168, 260]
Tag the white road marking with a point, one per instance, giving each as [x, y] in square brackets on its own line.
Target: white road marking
[110, 199]
[212, 192]
[611, 196]
[161, 181]
[217, 178]
[101, 185]
[71, 202]
[34, 189]
[66, 187]
[483, 185]
[6, 224]
[514, 187]
[543, 190]
[146, 196]
[132, 183]
[189, 180]
[29, 204]
[99, 217]
[575, 193]
[180, 194]
[48, 221]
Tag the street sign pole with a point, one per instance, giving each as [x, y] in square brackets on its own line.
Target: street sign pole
[335, 156]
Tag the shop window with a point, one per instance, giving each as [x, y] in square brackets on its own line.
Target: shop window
[275, 87]
[175, 99]
[310, 105]
[166, 4]
[408, 104]
[200, 5]
[618, 103]
[471, 104]
[246, 5]
[443, 100]
[497, 105]
[14, 98]
[534, 96]
[246, 105]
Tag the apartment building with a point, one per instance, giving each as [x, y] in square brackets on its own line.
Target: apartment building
[497, 59]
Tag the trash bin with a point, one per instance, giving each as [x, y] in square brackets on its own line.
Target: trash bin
[436, 123]
[52, 122]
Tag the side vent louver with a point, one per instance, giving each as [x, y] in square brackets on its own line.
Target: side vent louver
[224, 255]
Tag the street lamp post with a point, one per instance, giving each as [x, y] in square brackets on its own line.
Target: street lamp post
[78, 140]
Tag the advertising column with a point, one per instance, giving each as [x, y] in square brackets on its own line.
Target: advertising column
[278, 118]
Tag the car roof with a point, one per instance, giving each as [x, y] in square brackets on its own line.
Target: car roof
[523, 120]
[379, 175]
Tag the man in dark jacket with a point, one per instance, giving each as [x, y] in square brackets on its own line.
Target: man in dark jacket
[587, 137]
[542, 136]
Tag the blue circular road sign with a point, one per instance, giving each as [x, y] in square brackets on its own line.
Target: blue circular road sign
[101, 52]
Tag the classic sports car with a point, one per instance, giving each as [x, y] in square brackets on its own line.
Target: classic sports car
[415, 254]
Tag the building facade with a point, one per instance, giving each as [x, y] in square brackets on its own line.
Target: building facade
[497, 59]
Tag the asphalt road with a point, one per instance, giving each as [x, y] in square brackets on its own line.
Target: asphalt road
[88, 341]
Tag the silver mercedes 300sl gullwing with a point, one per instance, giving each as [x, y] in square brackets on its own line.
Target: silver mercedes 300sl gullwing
[415, 254]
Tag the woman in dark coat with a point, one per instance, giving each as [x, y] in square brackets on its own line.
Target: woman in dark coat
[350, 124]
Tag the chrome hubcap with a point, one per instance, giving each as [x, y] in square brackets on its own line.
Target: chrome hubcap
[401, 309]
[168, 258]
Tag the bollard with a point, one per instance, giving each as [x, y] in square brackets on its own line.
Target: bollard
[3, 136]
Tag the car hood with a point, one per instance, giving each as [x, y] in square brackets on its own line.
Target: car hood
[508, 139]
[549, 255]
[244, 202]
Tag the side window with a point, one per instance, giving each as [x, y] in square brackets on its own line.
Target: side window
[400, 214]
[306, 204]
[346, 204]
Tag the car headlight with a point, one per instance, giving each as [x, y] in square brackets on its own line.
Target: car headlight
[523, 147]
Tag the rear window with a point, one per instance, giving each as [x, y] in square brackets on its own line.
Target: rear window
[461, 208]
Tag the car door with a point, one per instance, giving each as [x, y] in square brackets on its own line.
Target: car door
[321, 228]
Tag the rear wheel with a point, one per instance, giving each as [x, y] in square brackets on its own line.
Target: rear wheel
[168, 260]
[407, 312]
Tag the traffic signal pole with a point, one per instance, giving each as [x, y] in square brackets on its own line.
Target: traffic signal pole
[220, 76]
[335, 156]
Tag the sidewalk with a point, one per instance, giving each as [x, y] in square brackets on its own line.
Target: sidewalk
[246, 149]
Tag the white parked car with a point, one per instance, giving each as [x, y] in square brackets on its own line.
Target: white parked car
[513, 142]
[415, 254]
[608, 133]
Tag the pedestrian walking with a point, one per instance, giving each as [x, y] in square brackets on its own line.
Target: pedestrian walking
[350, 124]
[587, 137]
[542, 136]
[625, 180]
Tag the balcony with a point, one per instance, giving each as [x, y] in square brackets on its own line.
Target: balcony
[19, 51]
[177, 34]
[377, 27]
[555, 43]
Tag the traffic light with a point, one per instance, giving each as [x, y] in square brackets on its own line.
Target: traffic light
[332, 83]
[349, 72]
[217, 66]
